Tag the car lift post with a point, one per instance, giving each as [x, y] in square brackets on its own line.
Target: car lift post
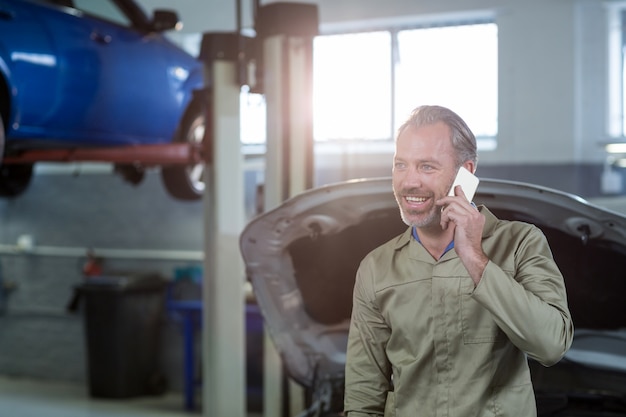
[286, 31]
[223, 316]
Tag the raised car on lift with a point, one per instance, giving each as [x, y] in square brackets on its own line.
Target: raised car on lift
[79, 74]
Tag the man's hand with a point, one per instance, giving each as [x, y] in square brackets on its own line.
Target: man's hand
[468, 226]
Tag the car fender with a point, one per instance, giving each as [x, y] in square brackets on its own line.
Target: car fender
[28, 64]
[194, 85]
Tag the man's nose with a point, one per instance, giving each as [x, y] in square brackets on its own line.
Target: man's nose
[413, 178]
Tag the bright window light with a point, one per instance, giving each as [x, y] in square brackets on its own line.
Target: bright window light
[616, 91]
[365, 84]
[352, 86]
[253, 124]
[453, 66]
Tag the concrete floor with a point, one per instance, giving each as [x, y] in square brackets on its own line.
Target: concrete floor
[21, 397]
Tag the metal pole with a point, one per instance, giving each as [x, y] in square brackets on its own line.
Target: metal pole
[224, 385]
[287, 32]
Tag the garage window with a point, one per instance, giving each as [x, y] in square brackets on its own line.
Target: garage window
[352, 82]
[617, 69]
[456, 66]
[366, 83]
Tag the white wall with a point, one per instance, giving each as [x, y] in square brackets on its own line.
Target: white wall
[552, 64]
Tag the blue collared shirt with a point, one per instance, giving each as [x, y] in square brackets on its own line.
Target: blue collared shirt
[449, 247]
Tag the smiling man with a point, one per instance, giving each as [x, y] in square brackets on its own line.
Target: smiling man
[445, 315]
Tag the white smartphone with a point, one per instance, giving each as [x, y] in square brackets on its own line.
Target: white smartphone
[467, 181]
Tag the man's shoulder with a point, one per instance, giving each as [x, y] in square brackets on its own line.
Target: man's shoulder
[388, 248]
[494, 224]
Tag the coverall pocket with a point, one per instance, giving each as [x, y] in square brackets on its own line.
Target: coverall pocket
[477, 324]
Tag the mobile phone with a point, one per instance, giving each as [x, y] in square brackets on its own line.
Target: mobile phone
[467, 181]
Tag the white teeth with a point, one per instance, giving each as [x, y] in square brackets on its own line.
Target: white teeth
[416, 199]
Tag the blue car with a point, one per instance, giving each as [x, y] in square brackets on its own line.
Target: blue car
[77, 74]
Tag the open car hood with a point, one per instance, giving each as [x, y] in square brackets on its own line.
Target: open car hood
[302, 257]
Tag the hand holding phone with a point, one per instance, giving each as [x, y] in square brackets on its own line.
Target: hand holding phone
[467, 181]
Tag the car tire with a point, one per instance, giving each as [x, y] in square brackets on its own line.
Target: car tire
[15, 179]
[2, 138]
[186, 182]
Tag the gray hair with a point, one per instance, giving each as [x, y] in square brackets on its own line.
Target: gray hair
[463, 140]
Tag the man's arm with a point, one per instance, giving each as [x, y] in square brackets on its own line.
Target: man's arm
[530, 304]
[368, 372]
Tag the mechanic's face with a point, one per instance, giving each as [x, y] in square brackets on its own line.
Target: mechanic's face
[424, 168]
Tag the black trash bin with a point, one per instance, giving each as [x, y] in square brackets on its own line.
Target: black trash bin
[123, 319]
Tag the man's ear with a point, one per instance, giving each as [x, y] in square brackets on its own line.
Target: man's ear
[470, 166]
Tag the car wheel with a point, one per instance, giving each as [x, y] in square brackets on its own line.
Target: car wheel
[186, 182]
[2, 138]
[14, 179]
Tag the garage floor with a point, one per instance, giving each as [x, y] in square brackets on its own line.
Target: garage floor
[27, 398]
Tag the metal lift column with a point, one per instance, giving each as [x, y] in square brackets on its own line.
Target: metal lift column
[223, 317]
[286, 31]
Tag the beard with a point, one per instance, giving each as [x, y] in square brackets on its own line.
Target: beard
[419, 218]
